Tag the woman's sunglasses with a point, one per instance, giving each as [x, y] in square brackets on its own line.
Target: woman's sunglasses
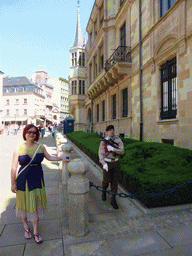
[29, 132]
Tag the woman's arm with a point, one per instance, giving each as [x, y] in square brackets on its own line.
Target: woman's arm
[54, 158]
[14, 167]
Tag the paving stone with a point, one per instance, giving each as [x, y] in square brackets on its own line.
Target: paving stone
[16, 250]
[47, 248]
[67, 239]
[98, 207]
[52, 190]
[52, 212]
[52, 199]
[13, 235]
[102, 217]
[50, 229]
[9, 217]
[50, 176]
[2, 226]
[177, 236]
[96, 248]
[138, 244]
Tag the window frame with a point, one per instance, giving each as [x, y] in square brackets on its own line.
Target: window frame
[123, 35]
[74, 87]
[103, 110]
[169, 89]
[114, 106]
[125, 102]
[97, 107]
[82, 87]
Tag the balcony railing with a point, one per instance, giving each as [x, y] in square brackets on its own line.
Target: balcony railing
[122, 53]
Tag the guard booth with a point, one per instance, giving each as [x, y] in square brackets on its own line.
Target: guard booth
[68, 124]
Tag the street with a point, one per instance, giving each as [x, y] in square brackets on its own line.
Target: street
[7, 146]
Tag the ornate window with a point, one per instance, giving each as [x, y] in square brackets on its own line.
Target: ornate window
[169, 89]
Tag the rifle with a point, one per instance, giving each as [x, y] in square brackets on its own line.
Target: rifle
[111, 143]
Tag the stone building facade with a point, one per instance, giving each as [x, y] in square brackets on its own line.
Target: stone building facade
[42, 80]
[21, 101]
[139, 69]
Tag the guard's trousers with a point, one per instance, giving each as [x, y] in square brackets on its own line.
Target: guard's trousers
[112, 176]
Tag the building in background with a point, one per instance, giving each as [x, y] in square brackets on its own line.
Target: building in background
[61, 96]
[42, 80]
[77, 79]
[22, 102]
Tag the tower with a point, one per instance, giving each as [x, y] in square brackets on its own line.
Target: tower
[77, 79]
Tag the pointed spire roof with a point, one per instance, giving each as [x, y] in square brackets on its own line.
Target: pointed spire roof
[78, 36]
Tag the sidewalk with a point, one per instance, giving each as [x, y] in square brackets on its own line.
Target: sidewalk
[123, 232]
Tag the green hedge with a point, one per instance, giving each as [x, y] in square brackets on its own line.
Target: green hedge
[147, 167]
[88, 142]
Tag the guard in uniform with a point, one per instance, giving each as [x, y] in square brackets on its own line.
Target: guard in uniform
[109, 149]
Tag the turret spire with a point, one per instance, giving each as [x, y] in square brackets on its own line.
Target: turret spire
[78, 36]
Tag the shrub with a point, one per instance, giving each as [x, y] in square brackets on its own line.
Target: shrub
[147, 167]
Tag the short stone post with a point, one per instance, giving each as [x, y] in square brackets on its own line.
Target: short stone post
[78, 187]
[60, 142]
[66, 150]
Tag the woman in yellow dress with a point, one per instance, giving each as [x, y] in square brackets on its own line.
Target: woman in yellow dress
[28, 183]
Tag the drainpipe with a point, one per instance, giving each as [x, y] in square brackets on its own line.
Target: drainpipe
[92, 115]
[140, 71]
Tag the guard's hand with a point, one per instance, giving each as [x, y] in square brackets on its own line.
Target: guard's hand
[105, 167]
[110, 148]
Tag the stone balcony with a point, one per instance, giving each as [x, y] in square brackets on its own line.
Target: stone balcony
[116, 68]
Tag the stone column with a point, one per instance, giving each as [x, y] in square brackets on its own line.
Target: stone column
[78, 187]
[66, 150]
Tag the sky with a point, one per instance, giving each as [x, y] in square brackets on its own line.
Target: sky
[39, 33]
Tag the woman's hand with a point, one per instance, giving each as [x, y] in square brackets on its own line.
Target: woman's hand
[14, 188]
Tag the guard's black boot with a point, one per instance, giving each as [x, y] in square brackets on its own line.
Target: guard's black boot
[114, 203]
[104, 194]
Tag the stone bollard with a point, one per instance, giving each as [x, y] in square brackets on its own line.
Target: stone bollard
[60, 142]
[66, 150]
[78, 187]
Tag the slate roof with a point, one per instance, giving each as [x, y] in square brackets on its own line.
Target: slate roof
[16, 81]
